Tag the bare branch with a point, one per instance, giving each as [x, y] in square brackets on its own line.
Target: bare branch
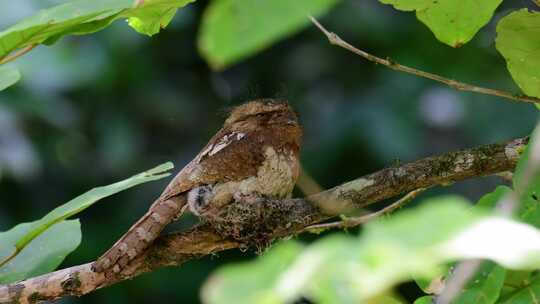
[357, 221]
[334, 39]
[277, 218]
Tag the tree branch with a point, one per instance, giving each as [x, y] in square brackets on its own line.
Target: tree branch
[270, 219]
[334, 39]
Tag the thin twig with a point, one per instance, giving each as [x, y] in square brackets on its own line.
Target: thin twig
[356, 221]
[14, 55]
[334, 39]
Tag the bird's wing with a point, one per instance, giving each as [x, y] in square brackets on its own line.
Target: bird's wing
[228, 156]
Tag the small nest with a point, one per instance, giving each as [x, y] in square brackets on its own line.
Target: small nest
[258, 223]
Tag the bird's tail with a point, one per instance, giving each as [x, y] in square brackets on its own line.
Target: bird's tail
[141, 234]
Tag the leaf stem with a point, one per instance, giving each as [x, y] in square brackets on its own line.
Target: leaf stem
[18, 53]
[9, 257]
[334, 39]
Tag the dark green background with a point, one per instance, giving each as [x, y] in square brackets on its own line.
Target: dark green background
[94, 109]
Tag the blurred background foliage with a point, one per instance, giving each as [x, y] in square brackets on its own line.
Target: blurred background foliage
[93, 109]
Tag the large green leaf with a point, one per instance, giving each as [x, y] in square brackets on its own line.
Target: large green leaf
[453, 22]
[83, 17]
[234, 29]
[518, 40]
[43, 254]
[8, 76]
[13, 242]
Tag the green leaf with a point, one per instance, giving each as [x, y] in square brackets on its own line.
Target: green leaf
[43, 254]
[484, 287]
[518, 40]
[453, 22]
[382, 299]
[529, 294]
[8, 76]
[239, 284]
[489, 201]
[514, 282]
[59, 20]
[526, 181]
[154, 15]
[323, 276]
[424, 300]
[83, 17]
[234, 29]
[15, 240]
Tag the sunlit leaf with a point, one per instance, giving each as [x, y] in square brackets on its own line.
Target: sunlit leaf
[83, 17]
[453, 22]
[154, 15]
[510, 243]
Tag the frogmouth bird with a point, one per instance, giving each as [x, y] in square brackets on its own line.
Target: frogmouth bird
[255, 154]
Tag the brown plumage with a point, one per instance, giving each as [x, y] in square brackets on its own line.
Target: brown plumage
[254, 154]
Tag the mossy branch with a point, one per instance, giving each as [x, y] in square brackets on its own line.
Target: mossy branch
[240, 225]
